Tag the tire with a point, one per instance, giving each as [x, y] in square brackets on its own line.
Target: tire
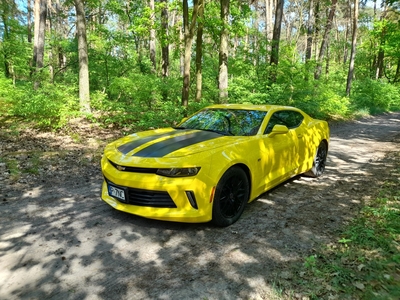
[319, 162]
[231, 196]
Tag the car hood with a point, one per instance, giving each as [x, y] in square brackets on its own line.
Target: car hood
[170, 142]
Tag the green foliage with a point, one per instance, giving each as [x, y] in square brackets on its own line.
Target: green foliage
[48, 107]
[128, 93]
[139, 102]
[375, 96]
[325, 103]
[318, 98]
[363, 264]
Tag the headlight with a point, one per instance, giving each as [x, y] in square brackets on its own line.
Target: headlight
[178, 172]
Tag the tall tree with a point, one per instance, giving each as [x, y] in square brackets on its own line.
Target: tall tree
[350, 74]
[223, 52]
[188, 30]
[381, 52]
[310, 30]
[309, 38]
[84, 92]
[5, 16]
[325, 40]
[199, 51]
[256, 24]
[276, 38]
[152, 43]
[164, 39]
[39, 36]
[29, 21]
[268, 25]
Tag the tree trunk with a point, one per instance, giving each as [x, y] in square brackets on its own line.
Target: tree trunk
[152, 44]
[350, 74]
[182, 51]
[397, 75]
[379, 63]
[164, 40]
[49, 28]
[268, 26]
[325, 40]
[39, 37]
[256, 46]
[310, 30]
[223, 53]
[63, 30]
[309, 41]
[317, 28]
[4, 17]
[199, 52]
[345, 48]
[327, 59]
[84, 94]
[276, 38]
[381, 53]
[188, 38]
[29, 28]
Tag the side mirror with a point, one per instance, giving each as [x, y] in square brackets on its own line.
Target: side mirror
[278, 129]
[184, 119]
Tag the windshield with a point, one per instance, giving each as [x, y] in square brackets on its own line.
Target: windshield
[236, 122]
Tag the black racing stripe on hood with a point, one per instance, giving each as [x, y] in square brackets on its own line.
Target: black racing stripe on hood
[128, 147]
[163, 148]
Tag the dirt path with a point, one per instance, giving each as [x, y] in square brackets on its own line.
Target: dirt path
[58, 240]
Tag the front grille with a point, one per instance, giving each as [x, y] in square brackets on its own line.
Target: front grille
[134, 169]
[147, 198]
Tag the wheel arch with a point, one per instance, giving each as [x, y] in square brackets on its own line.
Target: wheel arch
[326, 143]
[246, 169]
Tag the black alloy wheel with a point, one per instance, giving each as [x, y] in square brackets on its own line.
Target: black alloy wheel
[319, 163]
[231, 196]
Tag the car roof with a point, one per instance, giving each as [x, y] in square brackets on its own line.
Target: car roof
[266, 107]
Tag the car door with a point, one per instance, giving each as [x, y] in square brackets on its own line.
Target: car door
[278, 152]
[294, 120]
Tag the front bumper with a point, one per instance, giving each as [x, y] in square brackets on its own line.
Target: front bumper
[184, 199]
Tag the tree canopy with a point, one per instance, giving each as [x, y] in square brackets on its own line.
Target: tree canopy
[141, 64]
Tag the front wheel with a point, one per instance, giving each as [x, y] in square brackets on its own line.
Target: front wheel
[231, 196]
[319, 161]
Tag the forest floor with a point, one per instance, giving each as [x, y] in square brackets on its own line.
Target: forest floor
[58, 240]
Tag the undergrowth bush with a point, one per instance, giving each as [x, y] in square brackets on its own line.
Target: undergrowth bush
[49, 106]
[375, 96]
[143, 101]
[318, 98]
[135, 115]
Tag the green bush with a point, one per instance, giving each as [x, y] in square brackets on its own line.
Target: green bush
[375, 96]
[50, 106]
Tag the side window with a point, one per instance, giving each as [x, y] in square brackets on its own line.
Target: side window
[275, 119]
[291, 119]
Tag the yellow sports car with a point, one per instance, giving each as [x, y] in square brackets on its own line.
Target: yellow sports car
[212, 163]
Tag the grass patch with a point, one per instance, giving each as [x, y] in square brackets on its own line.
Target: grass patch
[364, 263]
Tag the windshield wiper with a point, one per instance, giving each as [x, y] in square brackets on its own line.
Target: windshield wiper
[179, 127]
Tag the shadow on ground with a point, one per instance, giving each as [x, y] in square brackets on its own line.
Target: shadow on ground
[60, 241]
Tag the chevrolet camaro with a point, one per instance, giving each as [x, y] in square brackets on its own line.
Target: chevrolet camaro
[214, 162]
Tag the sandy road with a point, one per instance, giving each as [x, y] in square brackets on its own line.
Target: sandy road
[59, 241]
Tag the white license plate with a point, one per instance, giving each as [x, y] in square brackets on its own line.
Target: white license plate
[116, 192]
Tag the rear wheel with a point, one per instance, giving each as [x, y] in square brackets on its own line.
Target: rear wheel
[231, 196]
[319, 161]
